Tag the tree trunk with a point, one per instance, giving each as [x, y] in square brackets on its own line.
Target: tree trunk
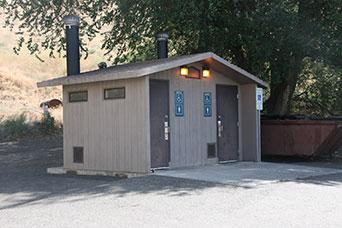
[282, 91]
[279, 99]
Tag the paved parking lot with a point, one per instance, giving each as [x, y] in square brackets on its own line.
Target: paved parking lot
[31, 198]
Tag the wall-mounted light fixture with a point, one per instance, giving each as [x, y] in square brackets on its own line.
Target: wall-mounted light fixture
[205, 72]
[184, 71]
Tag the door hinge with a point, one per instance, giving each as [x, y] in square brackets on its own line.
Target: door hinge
[237, 96]
[238, 124]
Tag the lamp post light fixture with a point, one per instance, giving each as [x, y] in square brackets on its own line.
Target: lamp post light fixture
[205, 72]
[184, 71]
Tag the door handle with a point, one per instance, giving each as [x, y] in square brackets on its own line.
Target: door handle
[166, 127]
[219, 126]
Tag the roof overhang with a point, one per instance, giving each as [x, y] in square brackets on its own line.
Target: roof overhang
[141, 69]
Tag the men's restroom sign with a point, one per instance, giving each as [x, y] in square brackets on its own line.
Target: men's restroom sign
[179, 103]
[207, 104]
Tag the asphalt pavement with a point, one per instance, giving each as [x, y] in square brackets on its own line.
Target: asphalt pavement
[29, 197]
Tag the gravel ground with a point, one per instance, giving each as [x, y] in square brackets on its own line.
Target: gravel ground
[31, 198]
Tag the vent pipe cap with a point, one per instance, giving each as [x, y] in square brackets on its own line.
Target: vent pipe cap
[71, 20]
[162, 36]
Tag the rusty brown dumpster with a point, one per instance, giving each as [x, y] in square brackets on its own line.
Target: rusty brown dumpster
[304, 138]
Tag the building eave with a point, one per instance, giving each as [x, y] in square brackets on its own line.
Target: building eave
[128, 71]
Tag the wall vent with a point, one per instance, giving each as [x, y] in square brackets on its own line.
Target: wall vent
[114, 93]
[78, 154]
[211, 150]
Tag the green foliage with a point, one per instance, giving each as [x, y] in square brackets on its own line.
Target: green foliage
[48, 125]
[20, 126]
[268, 38]
[16, 126]
[319, 90]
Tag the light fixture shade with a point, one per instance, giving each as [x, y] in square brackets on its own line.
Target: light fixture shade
[184, 71]
[205, 72]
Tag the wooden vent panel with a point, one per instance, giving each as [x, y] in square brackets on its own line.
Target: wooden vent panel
[211, 149]
[78, 154]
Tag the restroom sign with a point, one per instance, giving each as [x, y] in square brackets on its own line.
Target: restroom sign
[207, 111]
[179, 103]
[259, 98]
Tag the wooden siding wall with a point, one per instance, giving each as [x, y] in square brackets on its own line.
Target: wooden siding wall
[250, 127]
[114, 133]
[191, 133]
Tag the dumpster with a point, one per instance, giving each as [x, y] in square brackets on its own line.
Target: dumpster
[301, 138]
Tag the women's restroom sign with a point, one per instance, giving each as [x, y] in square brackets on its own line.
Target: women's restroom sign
[179, 103]
[207, 104]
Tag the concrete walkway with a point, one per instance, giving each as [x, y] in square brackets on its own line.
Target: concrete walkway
[248, 174]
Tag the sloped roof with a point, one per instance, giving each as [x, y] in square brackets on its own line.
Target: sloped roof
[140, 69]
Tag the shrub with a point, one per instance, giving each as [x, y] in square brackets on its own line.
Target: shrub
[14, 127]
[20, 126]
[48, 125]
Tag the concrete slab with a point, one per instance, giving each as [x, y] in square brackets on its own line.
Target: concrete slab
[63, 171]
[56, 170]
[248, 174]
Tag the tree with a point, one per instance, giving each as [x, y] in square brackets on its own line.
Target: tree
[319, 90]
[270, 39]
[302, 29]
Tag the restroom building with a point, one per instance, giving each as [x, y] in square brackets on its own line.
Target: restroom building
[169, 112]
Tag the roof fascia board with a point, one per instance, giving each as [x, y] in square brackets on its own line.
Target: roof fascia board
[77, 79]
[240, 70]
[146, 70]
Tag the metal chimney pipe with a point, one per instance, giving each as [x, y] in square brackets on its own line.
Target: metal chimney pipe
[162, 49]
[72, 23]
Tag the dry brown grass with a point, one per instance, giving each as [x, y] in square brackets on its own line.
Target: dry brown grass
[20, 73]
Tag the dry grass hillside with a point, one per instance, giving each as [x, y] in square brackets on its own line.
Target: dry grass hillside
[20, 73]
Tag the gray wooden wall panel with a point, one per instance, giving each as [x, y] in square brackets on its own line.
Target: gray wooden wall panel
[114, 133]
[191, 133]
[249, 124]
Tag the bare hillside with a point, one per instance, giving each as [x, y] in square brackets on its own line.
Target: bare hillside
[20, 73]
[18, 96]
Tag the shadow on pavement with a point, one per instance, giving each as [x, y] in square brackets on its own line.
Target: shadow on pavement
[24, 180]
[324, 180]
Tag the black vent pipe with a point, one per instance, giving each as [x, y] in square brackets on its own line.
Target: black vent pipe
[72, 23]
[162, 49]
